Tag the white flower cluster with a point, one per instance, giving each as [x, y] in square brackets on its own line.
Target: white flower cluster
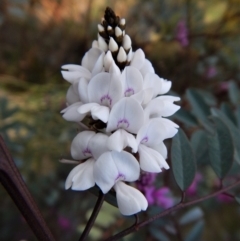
[120, 100]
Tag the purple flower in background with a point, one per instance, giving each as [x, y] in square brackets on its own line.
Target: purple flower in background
[222, 198]
[64, 222]
[161, 197]
[211, 72]
[182, 33]
[192, 190]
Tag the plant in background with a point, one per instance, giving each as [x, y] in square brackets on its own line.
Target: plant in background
[120, 106]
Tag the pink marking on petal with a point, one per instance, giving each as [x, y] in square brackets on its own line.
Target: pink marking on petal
[120, 177]
[129, 92]
[123, 123]
[87, 152]
[106, 100]
[144, 140]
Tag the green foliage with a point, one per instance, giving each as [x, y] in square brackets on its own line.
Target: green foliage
[196, 232]
[221, 148]
[183, 160]
[235, 133]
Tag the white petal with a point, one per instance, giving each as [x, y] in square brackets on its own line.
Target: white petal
[81, 177]
[98, 145]
[126, 114]
[72, 95]
[80, 145]
[71, 113]
[98, 67]
[151, 160]
[73, 76]
[166, 86]
[90, 58]
[114, 166]
[161, 148]
[129, 199]
[155, 131]
[162, 106]
[82, 90]
[132, 81]
[105, 89]
[147, 68]
[75, 72]
[97, 111]
[100, 113]
[121, 139]
[138, 59]
[114, 69]
[153, 81]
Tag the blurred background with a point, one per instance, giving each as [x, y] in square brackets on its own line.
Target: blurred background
[195, 44]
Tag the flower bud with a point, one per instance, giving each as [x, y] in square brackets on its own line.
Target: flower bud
[122, 56]
[102, 44]
[110, 30]
[95, 44]
[122, 23]
[119, 34]
[113, 45]
[129, 57]
[108, 59]
[127, 43]
[100, 28]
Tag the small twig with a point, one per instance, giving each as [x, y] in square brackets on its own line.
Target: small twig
[93, 217]
[177, 207]
[12, 181]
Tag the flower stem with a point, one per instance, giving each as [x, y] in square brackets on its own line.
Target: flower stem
[93, 217]
[177, 207]
[12, 181]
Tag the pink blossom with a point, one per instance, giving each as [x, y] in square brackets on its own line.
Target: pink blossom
[192, 190]
[182, 33]
[163, 198]
[64, 222]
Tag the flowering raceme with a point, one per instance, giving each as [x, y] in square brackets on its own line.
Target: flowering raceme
[118, 100]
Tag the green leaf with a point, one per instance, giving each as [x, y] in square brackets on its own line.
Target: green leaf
[110, 197]
[186, 117]
[158, 234]
[196, 232]
[208, 97]
[237, 198]
[192, 215]
[199, 107]
[183, 160]
[221, 149]
[200, 147]
[238, 116]
[233, 93]
[226, 109]
[235, 133]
